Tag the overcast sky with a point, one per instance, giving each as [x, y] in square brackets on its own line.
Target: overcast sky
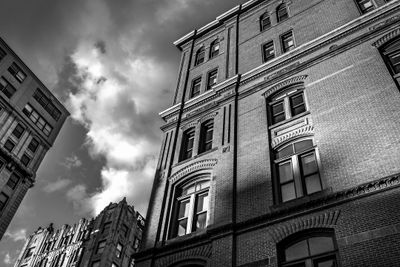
[113, 65]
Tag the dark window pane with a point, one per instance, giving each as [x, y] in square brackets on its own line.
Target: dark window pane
[212, 79]
[284, 152]
[33, 145]
[309, 164]
[13, 181]
[278, 112]
[2, 54]
[285, 172]
[313, 184]
[303, 145]
[268, 51]
[25, 160]
[320, 245]
[196, 87]
[297, 251]
[394, 59]
[214, 49]
[9, 145]
[265, 22]
[18, 130]
[199, 56]
[288, 192]
[282, 13]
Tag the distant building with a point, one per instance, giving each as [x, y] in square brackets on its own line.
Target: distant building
[110, 239]
[282, 143]
[30, 120]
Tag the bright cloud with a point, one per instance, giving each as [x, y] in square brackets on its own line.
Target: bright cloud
[72, 162]
[7, 259]
[57, 185]
[17, 235]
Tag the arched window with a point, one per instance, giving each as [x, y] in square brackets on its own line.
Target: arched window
[200, 54]
[191, 207]
[214, 49]
[315, 248]
[391, 54]
[281, 13]
[297, 171]
[265, 21]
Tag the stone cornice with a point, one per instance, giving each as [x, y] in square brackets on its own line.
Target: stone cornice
[302, 131]
[283, 84]
[199, 165]
[381, 41]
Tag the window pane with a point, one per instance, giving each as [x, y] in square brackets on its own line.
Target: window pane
[202, 203]
[303, 145]
[278, 113]
[327, 263]
[200, 221]
[182, 227]
[284, 152]
[202, 185]
[320, 245]
[309, 164]
[395, 60]
[288, 192]
[287, 42]
[285, 172]
[313, 184]
[184, 208]
[297, 251]
[268, 51]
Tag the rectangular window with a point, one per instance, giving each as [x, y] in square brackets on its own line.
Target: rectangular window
[13, 181]
[46, 103]
[206, 136]
[9, 145]
[212, 79]
[7, 89]
[2, 54]
[196, 84]
[365, 5]
[25, 159]
[34, 116]
[265, 22]
[289, 105]
[33, 145]
[101, 246]
[278, 112]
[106, 228]
[17, 72]
[3, 200]
[18, 130]
[297, 104]
[287, 42]
[124, 230]
[268, 51]
[118, 252]
[187, 144]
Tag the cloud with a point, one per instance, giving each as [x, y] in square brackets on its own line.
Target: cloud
[72, 162]
[17, 235]
[79, 198]
[7, 259]
[57, 185]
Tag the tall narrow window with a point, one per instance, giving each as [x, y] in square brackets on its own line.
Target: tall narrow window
[33, 145]
[13, 181]
[100, 247]
[17, 72]
[7, 89]
[268, 51]
[287, 42]
[311, 248]
[365, 5]
[287, 105]
[106, 228]
[187, 144]
[265, 22]
[206, 136]
[191, 208]
[196, 84]
[118, 251]
[214, 48]
[212, 79]
[297, 171]
[9, 145]
[200, 55]
[18, 130]
[281, 13]
[25, 159]
[3, 200]
[2, 54]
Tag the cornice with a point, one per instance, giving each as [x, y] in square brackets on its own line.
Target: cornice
[199, 165]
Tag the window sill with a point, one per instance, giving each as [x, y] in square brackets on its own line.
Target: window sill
[182, 238]
[300, 201]
[196, 156]
[289, 120]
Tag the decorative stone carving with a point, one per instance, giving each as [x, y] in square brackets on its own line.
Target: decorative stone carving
[203, 164]
[283, 84]
[302, 131]
[208, 116]
[381, 41]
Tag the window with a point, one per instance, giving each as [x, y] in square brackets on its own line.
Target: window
[212, 79]
[96, 264]
[281, 13]
[29, 252]
[268, 51]
[106, 228]
[187, 144]
[18, 130]
[191, 208]
[265, 22]
[7, 89]
[365, 5]
[3, 200]
[17, 72]
[297, 170]
[287, 105]
[200, 55]
[9, 145]
[34, 116]
[206, 136]
[195, 87]
[2, 54]
[124, 230]
[13, 181]
[25, 159]
[119, 250]
[391, 54]
[33, 145]
[136, 243]
[46, 103]
[310, 249]
[287, 42]
[214, 48]
[101, 246]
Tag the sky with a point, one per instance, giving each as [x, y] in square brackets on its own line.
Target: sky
[113, 65]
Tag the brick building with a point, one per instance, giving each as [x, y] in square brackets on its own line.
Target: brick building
[110, 239]
[30, 120]
[282, 144]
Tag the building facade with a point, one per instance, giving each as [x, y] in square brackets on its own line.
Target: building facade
[30, 120]
[282, 145]
[110, 239]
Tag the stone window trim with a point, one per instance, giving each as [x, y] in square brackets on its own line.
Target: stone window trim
[365, 6]
[6, 88]
[269, 44]
[195, 87]
[282, 12]
[283, 38]
[212, 78]
[265, 21]
[215, 48]
[200, 56]
[17, 72]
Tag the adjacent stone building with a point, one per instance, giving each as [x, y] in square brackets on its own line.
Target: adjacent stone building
[110, 239]
[282, 144]
[30, 120]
